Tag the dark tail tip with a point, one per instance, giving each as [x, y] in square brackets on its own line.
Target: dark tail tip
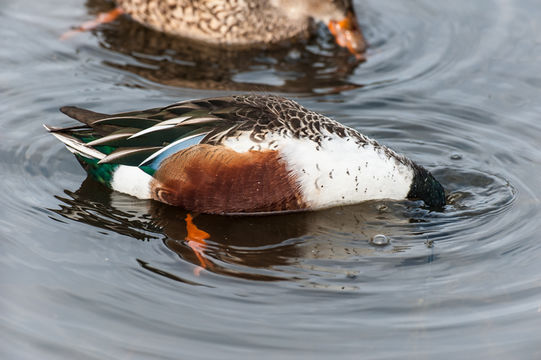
[83, 115]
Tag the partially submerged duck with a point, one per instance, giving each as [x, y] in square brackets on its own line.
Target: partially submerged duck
[242, 154]
[243, 23]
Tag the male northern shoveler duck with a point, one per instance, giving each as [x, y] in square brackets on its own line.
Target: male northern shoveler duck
[242, 154]
[245, 22]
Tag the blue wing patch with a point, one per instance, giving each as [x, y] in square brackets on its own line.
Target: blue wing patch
[153, 162]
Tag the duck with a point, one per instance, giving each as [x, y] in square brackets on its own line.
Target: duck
[241, 154]
[242, 22]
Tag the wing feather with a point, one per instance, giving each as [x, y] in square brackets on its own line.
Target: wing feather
[146, 138]
[129, 156]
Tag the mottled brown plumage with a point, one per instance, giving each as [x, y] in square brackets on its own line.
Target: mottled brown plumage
[242, 22]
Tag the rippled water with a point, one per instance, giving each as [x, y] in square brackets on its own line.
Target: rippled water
[91, 274]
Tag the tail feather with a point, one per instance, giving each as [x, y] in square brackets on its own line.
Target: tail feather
[83, 115]
[75, 145]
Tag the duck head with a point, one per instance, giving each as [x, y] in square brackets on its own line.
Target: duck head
[338, 15]
[425, 187]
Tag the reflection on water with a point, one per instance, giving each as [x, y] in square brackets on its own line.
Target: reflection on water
[252, 247]
[290, 246]
[317, 64]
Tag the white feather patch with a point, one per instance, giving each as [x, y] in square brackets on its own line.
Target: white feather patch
[340, 172]
[132, 181]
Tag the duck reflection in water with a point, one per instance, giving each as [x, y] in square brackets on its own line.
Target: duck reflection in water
[297, 65]
[270, 247]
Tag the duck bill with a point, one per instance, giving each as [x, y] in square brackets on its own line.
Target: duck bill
[348, 34]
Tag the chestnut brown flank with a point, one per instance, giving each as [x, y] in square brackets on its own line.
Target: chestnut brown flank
[214, 179]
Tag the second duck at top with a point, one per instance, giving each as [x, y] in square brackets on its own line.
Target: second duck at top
[248, 22]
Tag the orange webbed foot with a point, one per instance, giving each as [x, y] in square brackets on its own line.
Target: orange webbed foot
[102, 18]
[196, 241]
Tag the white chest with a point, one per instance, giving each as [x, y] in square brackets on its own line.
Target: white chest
[340, 172]
[337, 171]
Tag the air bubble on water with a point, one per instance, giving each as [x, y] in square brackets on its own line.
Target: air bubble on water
[456, 156]
[380, 240]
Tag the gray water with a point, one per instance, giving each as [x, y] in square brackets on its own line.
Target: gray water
[91, 274]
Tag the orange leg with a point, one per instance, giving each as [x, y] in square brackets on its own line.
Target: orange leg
[102, 18]
[196, 240]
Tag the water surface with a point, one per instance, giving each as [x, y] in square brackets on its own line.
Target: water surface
[92, 274]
